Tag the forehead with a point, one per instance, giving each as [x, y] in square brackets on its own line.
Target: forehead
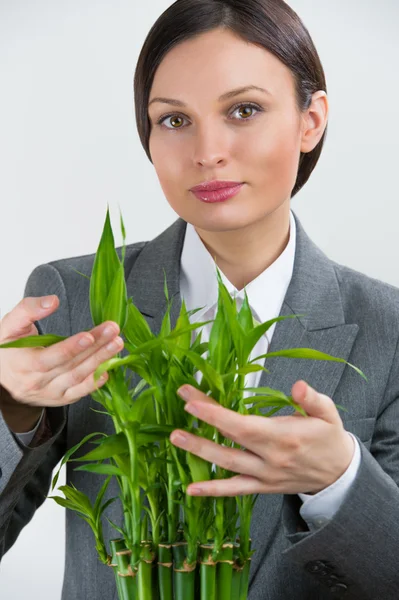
[211, 63]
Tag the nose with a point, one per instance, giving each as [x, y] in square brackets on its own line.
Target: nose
[210, 149]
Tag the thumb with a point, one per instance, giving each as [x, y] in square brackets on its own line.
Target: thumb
[315, 404]
[19, 322]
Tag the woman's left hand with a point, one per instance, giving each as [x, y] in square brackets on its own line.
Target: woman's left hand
[283, 455]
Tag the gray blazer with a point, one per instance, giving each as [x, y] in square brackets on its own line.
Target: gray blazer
[348, 314]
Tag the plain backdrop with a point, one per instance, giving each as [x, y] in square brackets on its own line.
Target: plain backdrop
[69, 146]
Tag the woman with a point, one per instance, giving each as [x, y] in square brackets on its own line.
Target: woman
[231, 91]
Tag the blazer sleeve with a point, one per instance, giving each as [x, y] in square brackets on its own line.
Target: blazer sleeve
[26, 471]
[355, 554]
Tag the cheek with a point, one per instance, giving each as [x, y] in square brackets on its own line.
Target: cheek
[274, 155]
[167, 161]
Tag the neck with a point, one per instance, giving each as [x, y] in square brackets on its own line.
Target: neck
[243, 254]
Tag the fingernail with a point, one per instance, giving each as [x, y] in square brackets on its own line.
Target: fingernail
[47, 302]
[194, 490]
[184, 392]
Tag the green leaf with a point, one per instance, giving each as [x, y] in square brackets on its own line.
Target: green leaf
[110, 446]
[66, 504]
[106, 264]
[115, 308]
[254, 335]
[79, 273]
[136, 329]
[100, 495]
[69, 453]
[77, 497]
[102, 469]
[211, 375]
[34, 341]
[309, 354]
[265, 390]
[250, 369]
[245, 317]
[200, 469]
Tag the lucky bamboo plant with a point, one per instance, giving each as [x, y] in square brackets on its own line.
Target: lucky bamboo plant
[171, 545]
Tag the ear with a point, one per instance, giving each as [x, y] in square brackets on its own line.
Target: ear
[314, 121]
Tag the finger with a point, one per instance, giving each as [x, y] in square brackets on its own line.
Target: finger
[72, 351]
[315, 404]
[86, 387]
[233, 486]
[70, 381]
[19, 322]
[246, 430]
[231, 459]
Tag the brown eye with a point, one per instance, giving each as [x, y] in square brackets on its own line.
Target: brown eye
[245, 111]
[176, 120]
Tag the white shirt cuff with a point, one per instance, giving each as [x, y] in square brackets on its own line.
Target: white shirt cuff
[320, 508]
[27, 437]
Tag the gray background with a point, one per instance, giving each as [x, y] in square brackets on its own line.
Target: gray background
[69, 145]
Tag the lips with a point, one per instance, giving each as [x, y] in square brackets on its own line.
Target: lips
[217, 184]
[218, 195]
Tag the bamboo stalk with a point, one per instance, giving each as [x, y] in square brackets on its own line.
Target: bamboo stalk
[184, 574]
[225, 572]
[236, 574]
[145, 585]
[246, 565]
[245, 580]
[165, 572]
[207, 573]
[126, 580]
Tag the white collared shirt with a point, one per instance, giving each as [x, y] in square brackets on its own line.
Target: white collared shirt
[266, 293]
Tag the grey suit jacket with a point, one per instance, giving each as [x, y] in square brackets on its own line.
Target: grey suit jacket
[349, 315]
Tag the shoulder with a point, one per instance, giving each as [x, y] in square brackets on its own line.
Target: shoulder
[365, 297]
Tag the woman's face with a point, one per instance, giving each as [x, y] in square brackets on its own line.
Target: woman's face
[254, 137]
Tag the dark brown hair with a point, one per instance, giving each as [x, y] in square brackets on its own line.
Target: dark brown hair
[271, 24]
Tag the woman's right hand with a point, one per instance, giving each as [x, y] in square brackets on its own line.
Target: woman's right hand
[60, 374]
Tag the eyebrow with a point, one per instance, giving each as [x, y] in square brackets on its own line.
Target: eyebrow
[226, 96]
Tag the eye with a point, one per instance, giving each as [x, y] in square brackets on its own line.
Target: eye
[177, 119]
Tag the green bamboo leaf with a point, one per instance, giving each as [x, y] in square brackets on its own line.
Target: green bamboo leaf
[140, 404]
[79, 273]
[69, 453]
[66, 504]
[309, 354]
[110, 446]
[265, 390]
[106, 264]
[254, 335]
[115, 308]
[184, 340]
[34, 341]
[101, 469]
[100, 496]
[123, 236]
[220, 343]
[211, 375]
[106, 504]
[77, 497]
[136, 329]
[250, 369]
[184, 330]
[245, 317]
[200, 469]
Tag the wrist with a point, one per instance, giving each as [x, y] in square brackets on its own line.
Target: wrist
[19, 417]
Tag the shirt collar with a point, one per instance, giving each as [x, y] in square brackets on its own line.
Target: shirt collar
[198, 282]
